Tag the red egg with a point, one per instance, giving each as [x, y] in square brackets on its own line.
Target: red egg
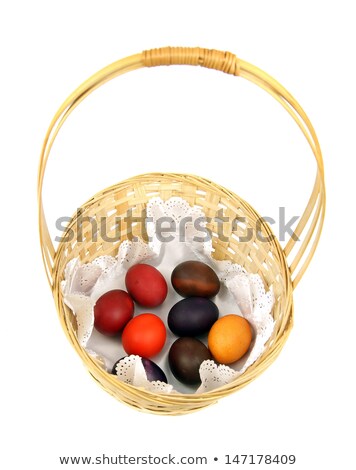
[146, 285]
[144, 335]
[112, 311]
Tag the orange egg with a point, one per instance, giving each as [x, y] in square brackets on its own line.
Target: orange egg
[229, 338]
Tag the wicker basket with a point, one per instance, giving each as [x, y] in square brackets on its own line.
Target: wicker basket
[266, 258]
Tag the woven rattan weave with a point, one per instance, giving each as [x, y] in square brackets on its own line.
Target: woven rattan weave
[280, 268]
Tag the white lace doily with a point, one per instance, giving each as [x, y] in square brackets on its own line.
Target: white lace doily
[131, 371]
[241, 293]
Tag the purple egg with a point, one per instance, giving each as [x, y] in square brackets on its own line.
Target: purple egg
[192, 317]
[153, 371]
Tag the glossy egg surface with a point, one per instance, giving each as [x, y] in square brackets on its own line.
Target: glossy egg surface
[193, 316]
[153, 371]
[185, 357]
[230, 338]
[144, 335]
[146, 285]
[195, 279]
[112, 312]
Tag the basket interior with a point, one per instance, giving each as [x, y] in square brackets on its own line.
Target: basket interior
[247, 240]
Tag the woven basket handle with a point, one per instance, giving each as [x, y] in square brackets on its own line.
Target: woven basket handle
[310, 224]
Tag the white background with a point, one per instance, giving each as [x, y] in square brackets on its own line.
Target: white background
[188, 120]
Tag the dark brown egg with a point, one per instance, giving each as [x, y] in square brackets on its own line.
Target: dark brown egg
[185, 357]
[195, 279]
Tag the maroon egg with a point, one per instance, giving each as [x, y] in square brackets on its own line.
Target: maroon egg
[195, 279]
[185, 358]
[112, 311]
[146, 285]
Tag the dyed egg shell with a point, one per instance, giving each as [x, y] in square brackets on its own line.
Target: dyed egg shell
[153, 371]
[185, 357]
[195, 279]
[230, 338]
[144, 335]
[146, 285]
[192, 317]
[112, 311]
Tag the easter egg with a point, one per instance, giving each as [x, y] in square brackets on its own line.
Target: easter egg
[193, 316]
[146, 285]
[229, 338]
[144, 335]
[195, 279]
[153, 371]
[185, 357]
[112, 312]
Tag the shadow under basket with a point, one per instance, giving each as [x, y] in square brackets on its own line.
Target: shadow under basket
[261, 253]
